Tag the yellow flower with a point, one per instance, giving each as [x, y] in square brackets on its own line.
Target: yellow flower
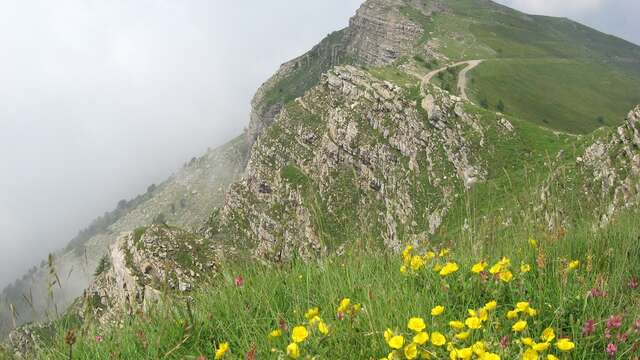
[421, 338]
[540, 347]
[473, 323]
[496, 268]
[552, 357]
[293, 351]
[574, 264]
[479, 348]
[530, 354]
[411, 351]
[416, 324]
[444, 252]
[406, 253]
[388, 334]
[438, 310]
[532, 312]
[522, 306]
[221, 350]
[449, 268]
[465, 353]
[491, 305]
[548, 335]
[525, 268]
[533, 243]
[519, 326]
[512, 314]
[565, 345]
[275, 333]
[527, 341]
[429, 255]
[479, 267]
[323, 328]
[458, 325]
[416, 263]
[483, 314]
[299, 334]
[462, 336]
[312, 313]
[506, 276]
[396, 342]
[403, 269]
[356, 308]
[438, 339]
[344, 305]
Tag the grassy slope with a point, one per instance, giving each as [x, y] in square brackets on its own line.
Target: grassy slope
[244, 316]
[552, 71]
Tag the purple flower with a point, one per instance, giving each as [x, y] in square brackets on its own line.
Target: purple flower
[589, 328]
[614, 322]
[611, 349]
[633, 283]
[636, 325]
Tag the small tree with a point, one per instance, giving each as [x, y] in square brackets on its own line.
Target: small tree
[600, 119]
[500, 106]
[484, 103]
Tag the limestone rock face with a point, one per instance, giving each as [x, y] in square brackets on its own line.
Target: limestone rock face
[353, 153]
[607, 173]
[379, 34]
[143, 266]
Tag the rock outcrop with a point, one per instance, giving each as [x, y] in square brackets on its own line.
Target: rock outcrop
[144, 264]
[353, 153]
[379, 34]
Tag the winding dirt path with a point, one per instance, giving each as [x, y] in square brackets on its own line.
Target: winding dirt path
[462, 76]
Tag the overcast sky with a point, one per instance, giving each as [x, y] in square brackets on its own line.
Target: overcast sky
[99, 99]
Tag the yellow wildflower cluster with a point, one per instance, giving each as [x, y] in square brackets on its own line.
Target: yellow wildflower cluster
[535, 349]
[481, 333]
[301, 334]
[413, 263]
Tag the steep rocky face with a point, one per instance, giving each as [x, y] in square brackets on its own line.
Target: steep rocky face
[379, 34]
[602, 180]
[611, 167]
[354, 155]
[144, 264]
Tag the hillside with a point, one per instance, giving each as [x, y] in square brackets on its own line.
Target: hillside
[185, 199]
[366, 145]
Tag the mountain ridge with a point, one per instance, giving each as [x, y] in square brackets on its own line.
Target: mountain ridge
[339, 147]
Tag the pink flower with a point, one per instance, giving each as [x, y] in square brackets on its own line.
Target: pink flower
[622, 337]
[201, 357]
[614, 322]
[504, 342]
[98, 338]
[340, 316]
[597, 293]
[239, 281]
[607, 333]
[589, 328]
[633, 283]
[636, 325]
[611, 349]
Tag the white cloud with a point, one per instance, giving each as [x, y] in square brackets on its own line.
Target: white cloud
[555, 7]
